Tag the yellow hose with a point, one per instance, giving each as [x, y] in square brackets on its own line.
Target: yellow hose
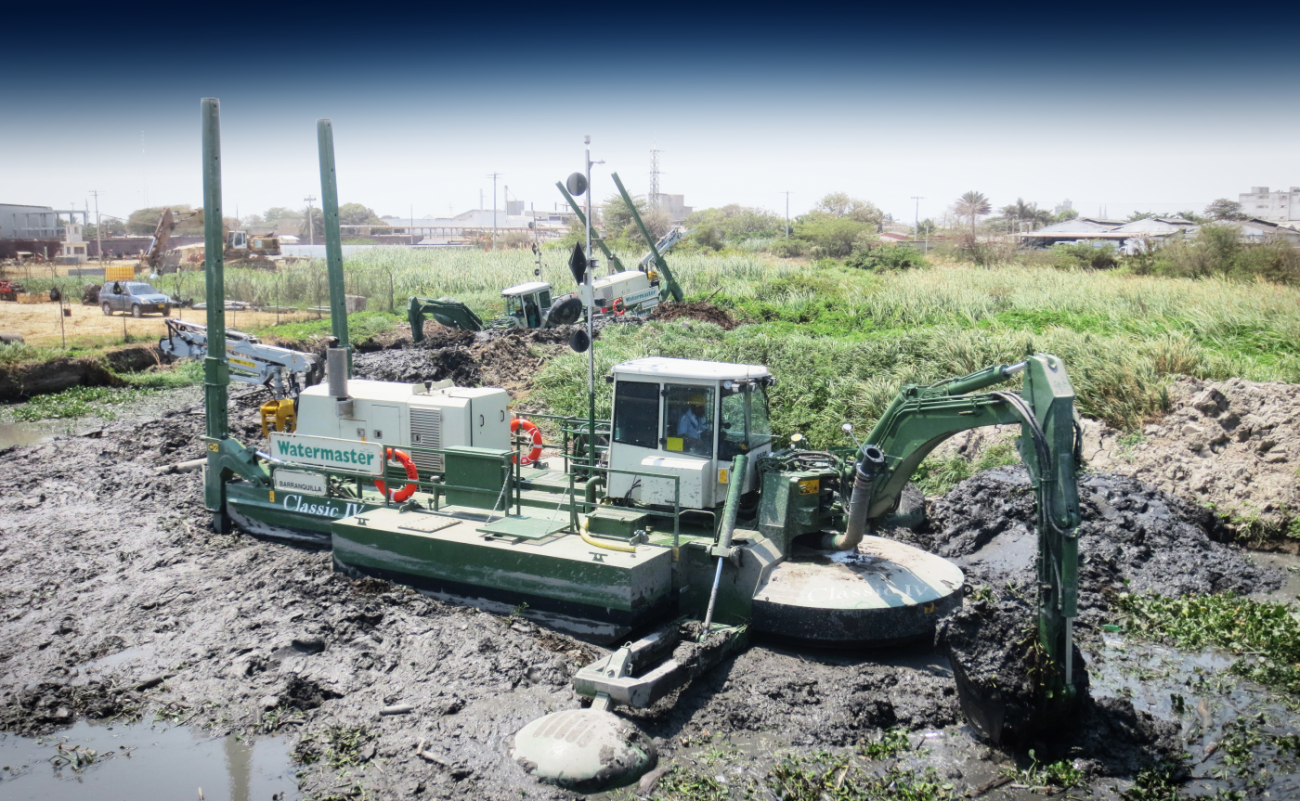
[609, 546]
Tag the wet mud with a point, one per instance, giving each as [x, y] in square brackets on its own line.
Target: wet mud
[119, 600]
[1133, 538]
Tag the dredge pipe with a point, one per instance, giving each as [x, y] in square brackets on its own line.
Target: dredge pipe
[735, 488]
[870, 465]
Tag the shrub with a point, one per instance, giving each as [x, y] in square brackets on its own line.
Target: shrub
[887, 257]
[1084, 256]
[789, 248]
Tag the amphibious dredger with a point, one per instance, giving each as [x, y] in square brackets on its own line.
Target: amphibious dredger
[677, 520]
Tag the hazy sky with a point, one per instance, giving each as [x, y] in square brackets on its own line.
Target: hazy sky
[1111, 107]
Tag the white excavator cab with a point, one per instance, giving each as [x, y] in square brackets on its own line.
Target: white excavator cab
[528, 303]
[686, 418]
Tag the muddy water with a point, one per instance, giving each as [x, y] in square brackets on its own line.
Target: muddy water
[142, 761]
[12, 434]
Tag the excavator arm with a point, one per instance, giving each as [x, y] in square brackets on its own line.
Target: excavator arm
[670, 286]
[447, 311]
[922, 417]
[615, 265]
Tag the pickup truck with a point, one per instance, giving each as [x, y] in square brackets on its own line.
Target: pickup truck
[133, 296]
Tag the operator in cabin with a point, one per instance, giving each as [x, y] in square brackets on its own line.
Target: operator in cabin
[693, 426]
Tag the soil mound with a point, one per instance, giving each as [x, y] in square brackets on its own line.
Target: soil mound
[694, 310]
[1235, 444]
[1133, 537]
[507, 360]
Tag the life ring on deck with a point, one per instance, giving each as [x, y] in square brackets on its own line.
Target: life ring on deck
[533, 433]
[411, 473]
[619, 306]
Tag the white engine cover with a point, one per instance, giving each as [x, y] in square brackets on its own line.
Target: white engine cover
[407, 416]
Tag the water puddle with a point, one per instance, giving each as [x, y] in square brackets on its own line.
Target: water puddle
[142, 761]
[1290, 589]
[12, 434]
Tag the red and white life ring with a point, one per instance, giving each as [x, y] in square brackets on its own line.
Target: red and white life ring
[411, 473]
[619, 306]
[533, 433]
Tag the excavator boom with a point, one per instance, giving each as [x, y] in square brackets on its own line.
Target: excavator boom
[922, 417]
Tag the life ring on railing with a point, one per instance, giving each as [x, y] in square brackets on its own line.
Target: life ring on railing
[619, 306]
[411, 473]
[533, 433]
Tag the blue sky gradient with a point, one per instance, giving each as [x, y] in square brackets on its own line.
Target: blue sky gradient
[1117, 108]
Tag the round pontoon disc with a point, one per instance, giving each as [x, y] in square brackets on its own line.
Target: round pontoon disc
[584, 750]
[884, 593]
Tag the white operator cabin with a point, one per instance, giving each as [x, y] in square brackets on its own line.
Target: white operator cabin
[687, 418]
[406, 415]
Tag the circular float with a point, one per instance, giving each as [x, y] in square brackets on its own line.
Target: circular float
[883, 593]
[587, 750]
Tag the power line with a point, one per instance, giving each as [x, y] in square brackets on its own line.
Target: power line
[787, 214]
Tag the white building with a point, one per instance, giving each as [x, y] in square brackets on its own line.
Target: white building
[1279, 206]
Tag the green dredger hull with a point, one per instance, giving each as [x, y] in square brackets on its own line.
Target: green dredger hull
[891, 593]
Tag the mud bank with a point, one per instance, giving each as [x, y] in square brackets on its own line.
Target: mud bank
[497, 358]
[1133, 538]
[119, 600]
[1231, 444]
[694, 310]
[28, 379]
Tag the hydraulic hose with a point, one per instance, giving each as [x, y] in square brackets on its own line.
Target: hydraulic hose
[870, 465]
[1041, 450]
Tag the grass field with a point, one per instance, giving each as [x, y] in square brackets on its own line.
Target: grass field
[842, 341]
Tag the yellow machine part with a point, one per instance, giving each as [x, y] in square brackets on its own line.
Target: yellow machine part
[278, 415]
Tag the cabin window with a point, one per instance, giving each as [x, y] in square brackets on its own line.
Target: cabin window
[636, 414]
[745, 423]
[688, 420]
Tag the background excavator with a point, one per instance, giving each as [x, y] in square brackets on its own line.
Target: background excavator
[531, 305]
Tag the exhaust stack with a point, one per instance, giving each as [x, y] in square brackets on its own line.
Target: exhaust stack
[336, 361]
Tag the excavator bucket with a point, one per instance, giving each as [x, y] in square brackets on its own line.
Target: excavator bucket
[447, 311]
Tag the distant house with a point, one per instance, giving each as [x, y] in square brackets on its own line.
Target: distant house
[1129, 237]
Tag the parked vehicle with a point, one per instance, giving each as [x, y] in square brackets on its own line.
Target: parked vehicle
[134, 296]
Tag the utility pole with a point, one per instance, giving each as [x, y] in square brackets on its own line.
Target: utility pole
[916, 231]
[144, 170]
[311, 227]
[787, 214]
[654, 178]
[99, 236]
[494, 176]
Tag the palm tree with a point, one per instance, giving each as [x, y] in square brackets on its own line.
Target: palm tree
[972, 205]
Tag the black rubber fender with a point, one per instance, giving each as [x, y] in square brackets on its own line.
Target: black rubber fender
[566, 310]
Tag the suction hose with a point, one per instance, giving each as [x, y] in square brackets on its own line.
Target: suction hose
[870, 465]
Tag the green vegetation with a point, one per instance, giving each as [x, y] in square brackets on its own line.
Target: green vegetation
[362, 326]
[842, 341]
[1266, 635]
[886, 257]
[1063, 774]
[810, 777]
[85, 401]
[1217, 251]
[337, 747]
[75, 402]
[937, 476]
